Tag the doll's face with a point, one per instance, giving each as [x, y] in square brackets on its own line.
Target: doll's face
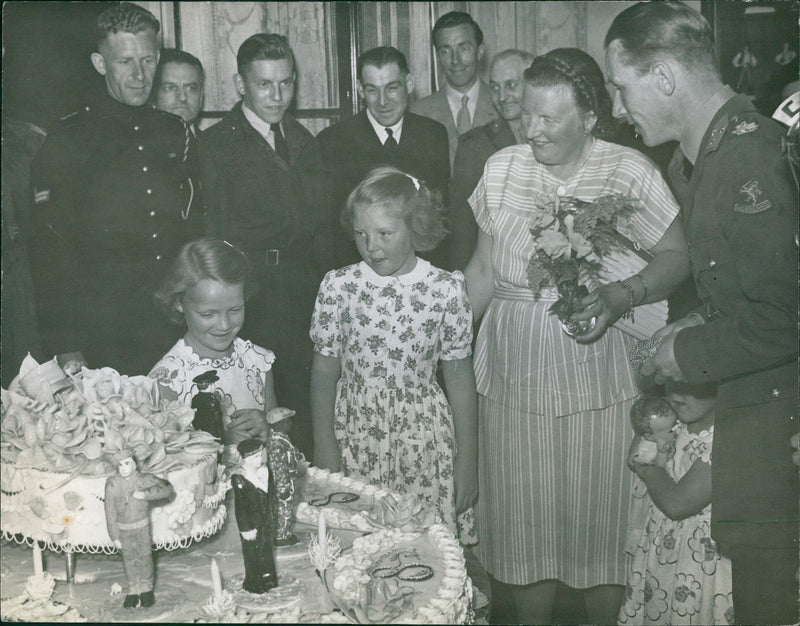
[126, 467]
[662, 424]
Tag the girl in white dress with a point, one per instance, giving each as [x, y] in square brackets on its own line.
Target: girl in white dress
[379, 328]
[206, 289]
[676, 574]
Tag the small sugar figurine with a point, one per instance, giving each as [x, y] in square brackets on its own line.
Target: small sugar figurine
[286, 463]
[654, 421]
[128, 495]
[251, 484]
[208, 410]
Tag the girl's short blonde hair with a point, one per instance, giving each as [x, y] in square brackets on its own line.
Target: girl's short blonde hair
[209, 258]
[420, 208]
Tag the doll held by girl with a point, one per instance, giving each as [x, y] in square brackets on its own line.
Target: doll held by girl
[380, 328]
[676, 574]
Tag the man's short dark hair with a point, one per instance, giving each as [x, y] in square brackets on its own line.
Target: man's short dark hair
[649, 31]
[263, 47]
[125, 17]
[457, 18]
[173, 55]
[380, 57]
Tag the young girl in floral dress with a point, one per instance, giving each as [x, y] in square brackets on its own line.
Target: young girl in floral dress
[380, 328]
[676, 574]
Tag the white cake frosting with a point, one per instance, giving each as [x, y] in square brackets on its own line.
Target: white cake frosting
[394, 523]
[445, 598]
[58, 436]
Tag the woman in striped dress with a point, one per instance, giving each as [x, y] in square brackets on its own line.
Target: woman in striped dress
[554, 491]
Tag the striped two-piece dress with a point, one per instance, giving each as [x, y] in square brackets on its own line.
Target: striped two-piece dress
[553, 413]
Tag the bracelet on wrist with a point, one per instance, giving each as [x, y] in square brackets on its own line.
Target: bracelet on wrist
[628, 313]
[644, 286]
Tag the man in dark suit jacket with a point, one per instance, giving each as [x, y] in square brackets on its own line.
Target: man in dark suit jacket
[463, 103]
[384, 133]
[477, 145]
[266, 192]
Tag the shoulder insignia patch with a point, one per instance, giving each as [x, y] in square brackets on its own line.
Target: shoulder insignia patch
[751, 191]
[717, 133]
[744, 127]
[41, 195]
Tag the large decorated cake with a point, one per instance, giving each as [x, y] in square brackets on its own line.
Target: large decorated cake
[58, 434]
[365, 554]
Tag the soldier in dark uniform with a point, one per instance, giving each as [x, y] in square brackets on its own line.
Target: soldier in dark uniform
[267, 193]
[113, 203]
[740, 212]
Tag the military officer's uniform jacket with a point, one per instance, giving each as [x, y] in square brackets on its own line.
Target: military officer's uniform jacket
[115, 198]
[740, 212]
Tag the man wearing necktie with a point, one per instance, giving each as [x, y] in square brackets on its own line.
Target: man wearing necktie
[383, 133]
[266, 192]
[465, 101]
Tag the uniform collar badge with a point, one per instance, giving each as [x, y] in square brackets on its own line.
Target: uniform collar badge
[744, 127]
[717, 134]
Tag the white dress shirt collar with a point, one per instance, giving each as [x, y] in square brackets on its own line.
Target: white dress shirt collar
[380, 130]
[262, 128]
[454, 100]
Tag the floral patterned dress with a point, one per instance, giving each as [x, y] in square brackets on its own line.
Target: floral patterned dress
[676, 575]
[392, 420]
[241, 375]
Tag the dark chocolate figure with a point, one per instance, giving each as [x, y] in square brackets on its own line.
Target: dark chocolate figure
[251, 486]
[208, 410]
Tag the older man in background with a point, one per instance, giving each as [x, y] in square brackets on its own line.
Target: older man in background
[113, 204]
[178, 85]
[477, 145]
[383, 133]
[464, 102]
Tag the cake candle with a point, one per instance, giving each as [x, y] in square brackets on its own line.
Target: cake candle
[38, 568]
[323, 534]
[216, 580]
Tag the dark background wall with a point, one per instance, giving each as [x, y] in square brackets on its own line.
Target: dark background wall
[46, 66]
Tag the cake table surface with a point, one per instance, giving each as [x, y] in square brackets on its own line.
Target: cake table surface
[183, 577]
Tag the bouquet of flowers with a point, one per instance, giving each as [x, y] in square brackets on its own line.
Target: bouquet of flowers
[572, 236]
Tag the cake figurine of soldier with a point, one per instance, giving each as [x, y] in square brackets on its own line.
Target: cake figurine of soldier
[251, 487]
[208, 410]
[128, 495]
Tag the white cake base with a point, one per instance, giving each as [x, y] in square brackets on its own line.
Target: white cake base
[67, 513]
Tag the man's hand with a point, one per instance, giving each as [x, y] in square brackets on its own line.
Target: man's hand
[249, 535]
[662, 365]
[138, 495]
[247, 424]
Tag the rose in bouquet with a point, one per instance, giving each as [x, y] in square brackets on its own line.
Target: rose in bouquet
[572, 236]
